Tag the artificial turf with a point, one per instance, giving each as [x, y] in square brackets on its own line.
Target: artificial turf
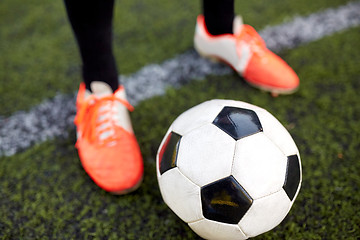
[39, 57]
[45, 193]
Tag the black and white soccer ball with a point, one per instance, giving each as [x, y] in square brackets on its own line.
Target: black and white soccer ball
[229, 169]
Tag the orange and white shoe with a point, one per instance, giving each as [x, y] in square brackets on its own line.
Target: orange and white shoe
[106, 143]
[245, 51]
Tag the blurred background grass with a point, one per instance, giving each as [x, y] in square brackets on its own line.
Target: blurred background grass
[44, 192]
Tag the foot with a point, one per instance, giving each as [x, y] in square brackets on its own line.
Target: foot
[106, 143]
[245, 51]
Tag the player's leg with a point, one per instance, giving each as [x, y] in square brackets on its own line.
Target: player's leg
[219, 16]
[91, 22]
[106, 143]
[222, 36]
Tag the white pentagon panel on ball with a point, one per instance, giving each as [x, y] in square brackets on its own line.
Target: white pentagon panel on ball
[259, 165]
[181, 195]
[265, 214]
[275, 131]
[206, 154]
[197, 116]
[208, 229]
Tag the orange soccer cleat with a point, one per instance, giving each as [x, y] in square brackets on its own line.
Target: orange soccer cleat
[106, 143]
[245, 51]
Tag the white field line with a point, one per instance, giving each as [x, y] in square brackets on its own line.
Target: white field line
[53, 118]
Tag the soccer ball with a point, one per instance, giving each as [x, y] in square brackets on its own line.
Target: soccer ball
[229, 169]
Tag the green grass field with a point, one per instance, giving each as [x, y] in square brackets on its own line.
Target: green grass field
[45, 193]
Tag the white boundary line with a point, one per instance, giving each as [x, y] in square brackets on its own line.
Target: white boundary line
[53, 118]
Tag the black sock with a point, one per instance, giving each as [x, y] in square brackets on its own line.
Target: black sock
[219, 16]
[91, 21]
